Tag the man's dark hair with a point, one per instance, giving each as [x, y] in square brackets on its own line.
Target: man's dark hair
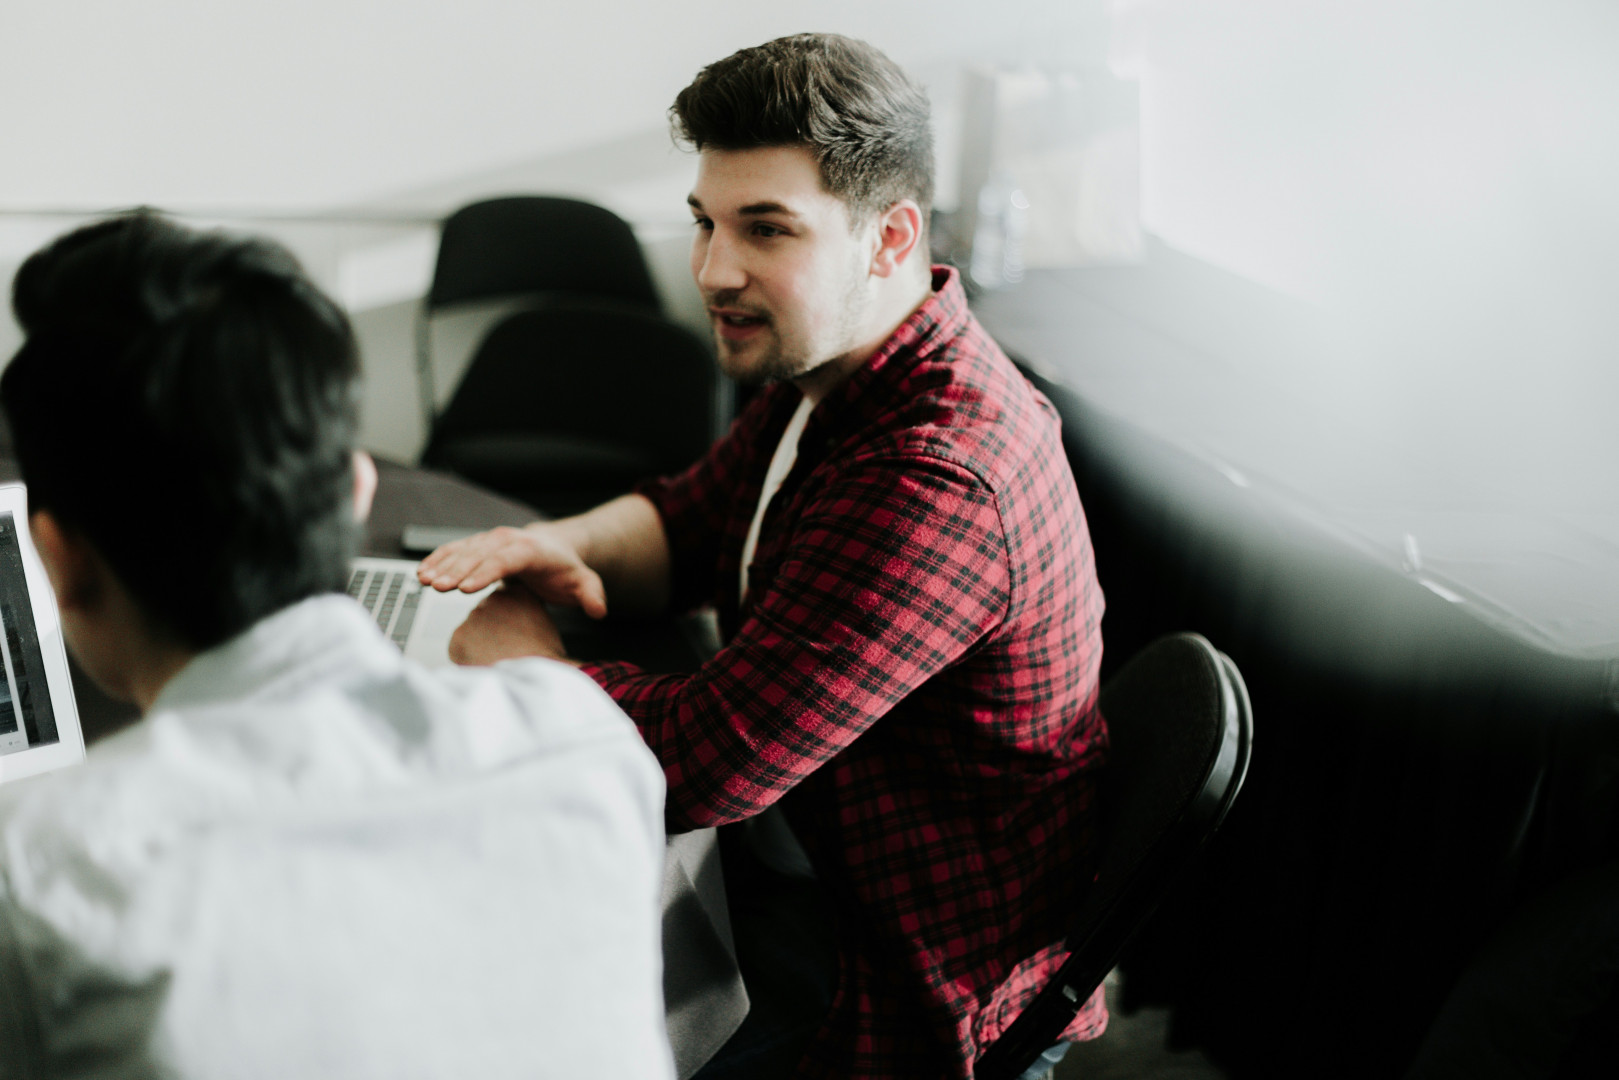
[187, 402]
[864, 120]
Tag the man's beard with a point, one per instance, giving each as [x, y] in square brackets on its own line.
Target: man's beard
[772, 363]
[781, 360]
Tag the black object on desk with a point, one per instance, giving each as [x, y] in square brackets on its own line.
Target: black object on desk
[425, 539]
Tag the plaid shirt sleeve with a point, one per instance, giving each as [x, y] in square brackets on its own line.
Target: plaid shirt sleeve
[888, 575]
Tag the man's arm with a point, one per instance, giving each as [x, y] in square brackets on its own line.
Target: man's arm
[624, 542]
[892, 574]
[616, 552]
[630, 549]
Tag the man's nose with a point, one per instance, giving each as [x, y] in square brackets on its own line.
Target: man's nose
[719, 267]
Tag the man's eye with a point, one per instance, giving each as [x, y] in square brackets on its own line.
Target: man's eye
[703, 223]
[767, 230]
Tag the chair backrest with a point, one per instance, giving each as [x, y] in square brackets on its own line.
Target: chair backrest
[536, 244]
[586, 396]
[1179, 732]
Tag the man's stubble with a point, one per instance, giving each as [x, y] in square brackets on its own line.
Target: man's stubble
[783, 360]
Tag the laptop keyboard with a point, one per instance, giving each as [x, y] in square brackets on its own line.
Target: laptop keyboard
[391, 596]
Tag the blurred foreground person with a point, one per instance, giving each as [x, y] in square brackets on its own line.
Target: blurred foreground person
[904, 712]
[309, 858]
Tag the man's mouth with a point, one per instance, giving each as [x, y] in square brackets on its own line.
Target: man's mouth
[737, 325]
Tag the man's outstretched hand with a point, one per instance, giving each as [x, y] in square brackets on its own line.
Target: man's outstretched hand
[539, 556]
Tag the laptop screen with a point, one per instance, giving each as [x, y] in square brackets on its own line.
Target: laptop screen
[26, 717]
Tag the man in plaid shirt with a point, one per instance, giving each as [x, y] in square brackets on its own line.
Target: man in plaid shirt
[904, 712]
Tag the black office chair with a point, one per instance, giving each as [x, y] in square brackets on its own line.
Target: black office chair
[529, 246]
[568, 403]
[1180, 731]
[538, 244]
[564, 406]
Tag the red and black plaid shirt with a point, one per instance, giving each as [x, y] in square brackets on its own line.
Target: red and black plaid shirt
[916, 663]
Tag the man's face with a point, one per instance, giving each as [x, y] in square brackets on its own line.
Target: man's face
[783, 275]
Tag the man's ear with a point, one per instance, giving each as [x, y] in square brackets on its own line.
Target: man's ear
[899, 231]
[365, 484]
[69, 562]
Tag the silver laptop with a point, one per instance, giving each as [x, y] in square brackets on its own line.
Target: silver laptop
[418, 619]
[39, 720]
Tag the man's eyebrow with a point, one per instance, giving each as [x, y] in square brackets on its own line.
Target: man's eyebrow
[750, 210]
[767, 208]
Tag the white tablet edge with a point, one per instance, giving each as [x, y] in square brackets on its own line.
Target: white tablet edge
[69, 747]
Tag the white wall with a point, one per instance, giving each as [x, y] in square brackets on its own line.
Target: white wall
[411, 108]
[1437, 175]
[1440, 177]
[311, 104]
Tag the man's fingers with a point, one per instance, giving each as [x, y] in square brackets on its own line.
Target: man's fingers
[555, 573]
[447, 555]
[592, 595]
[478, 574]
[588, 592]
[477, 561]
[445, 567]
[508, 553]
[459, 570]
[577, 585]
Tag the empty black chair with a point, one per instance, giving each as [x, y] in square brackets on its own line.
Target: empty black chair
[530, 246]
[1180, 732]
[569, 402]
[565, 406]
[526, 244]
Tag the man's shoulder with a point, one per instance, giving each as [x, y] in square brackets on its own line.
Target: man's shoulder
[422, 726]
[965, 401]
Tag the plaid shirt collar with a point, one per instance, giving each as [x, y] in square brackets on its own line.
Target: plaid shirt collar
[872, 390]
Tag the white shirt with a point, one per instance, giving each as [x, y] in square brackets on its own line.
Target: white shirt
[769, 834]
[781, 463]
[314, 859]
